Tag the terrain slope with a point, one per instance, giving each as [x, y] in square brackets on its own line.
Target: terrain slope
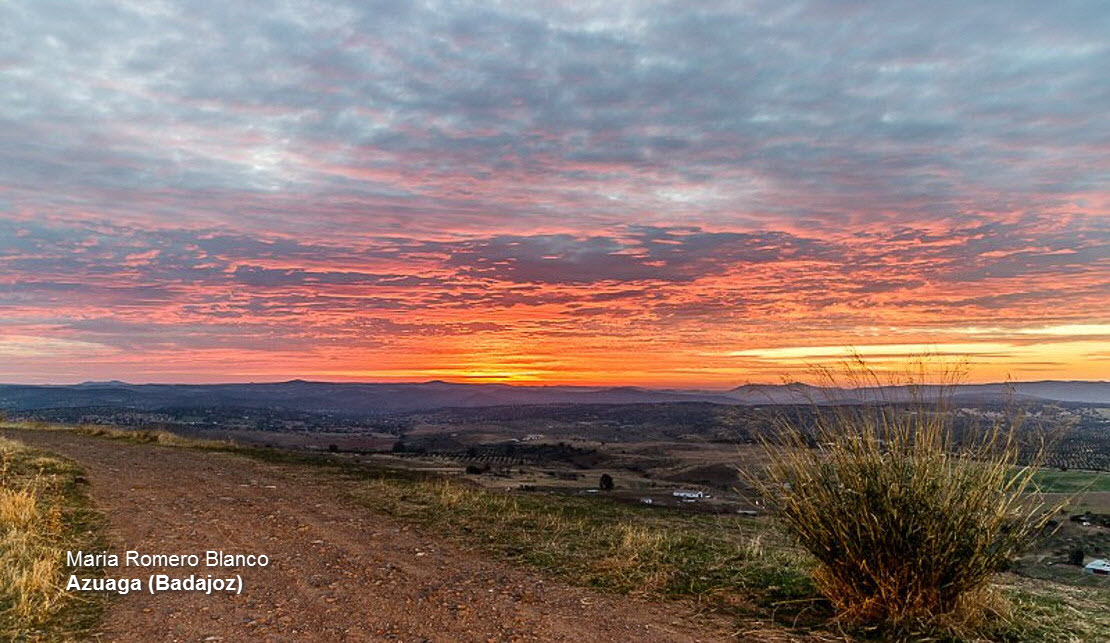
[337, 572]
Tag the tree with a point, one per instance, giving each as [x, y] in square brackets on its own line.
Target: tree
[606, 482]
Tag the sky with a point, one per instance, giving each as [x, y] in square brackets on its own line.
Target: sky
[647, 193]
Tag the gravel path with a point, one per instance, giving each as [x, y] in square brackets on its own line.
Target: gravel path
[337, 572]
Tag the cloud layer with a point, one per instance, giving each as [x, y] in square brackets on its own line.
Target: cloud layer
[643, 192]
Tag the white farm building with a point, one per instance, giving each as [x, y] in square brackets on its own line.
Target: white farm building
[1100, 567]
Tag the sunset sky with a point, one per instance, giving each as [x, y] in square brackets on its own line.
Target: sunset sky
[694, 194]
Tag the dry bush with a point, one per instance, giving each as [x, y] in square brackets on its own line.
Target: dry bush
[906, 523]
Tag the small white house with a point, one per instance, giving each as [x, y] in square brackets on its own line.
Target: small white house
[1100, 567]
[686, 494]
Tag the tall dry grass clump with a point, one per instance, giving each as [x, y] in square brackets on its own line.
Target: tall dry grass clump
[30, 557]
[907, 523]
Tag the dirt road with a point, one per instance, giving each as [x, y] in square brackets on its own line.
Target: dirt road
[337, 572]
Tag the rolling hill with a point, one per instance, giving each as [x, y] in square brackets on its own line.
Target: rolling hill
[373, 398]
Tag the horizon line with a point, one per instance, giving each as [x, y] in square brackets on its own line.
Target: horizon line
[538, 385]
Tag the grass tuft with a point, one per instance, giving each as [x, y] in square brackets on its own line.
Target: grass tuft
[908, 525]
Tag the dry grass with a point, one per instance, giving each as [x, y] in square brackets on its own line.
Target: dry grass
[138, 436]
[31, 553]
[151, 436]
[908, 525]
[43, 513]
[1056, 613]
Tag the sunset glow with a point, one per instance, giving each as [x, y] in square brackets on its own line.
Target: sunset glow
[550, 192]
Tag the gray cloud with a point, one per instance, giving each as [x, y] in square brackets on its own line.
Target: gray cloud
[799, 109]
[645, 254]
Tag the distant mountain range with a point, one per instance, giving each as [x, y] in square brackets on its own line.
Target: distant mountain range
[362, 399]
[1047, 391]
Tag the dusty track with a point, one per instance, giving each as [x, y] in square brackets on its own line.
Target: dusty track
[338, 572]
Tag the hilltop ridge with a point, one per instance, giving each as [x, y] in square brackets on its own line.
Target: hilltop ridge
[369, 398]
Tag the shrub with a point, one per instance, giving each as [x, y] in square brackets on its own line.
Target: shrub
[906, 523]
[606, 482]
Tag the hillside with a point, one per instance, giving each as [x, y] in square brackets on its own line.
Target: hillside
[360, 399]
[339, 572]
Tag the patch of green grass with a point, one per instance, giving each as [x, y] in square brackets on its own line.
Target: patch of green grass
[44, 511]
[1071, 481]
[723, 559]
[1055, 613]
